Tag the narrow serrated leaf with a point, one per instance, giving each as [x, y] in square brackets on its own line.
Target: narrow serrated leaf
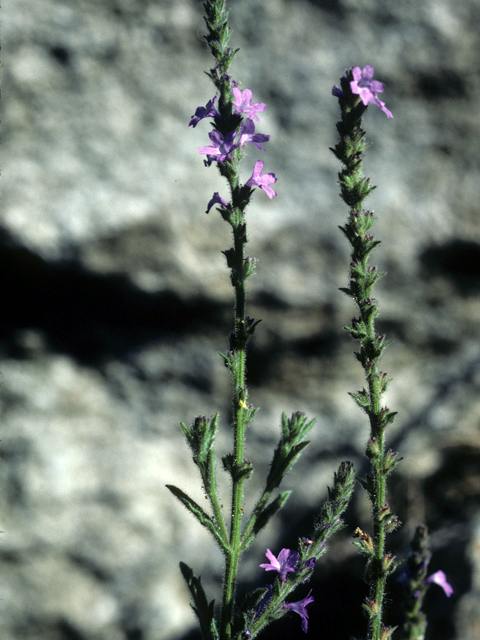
[202, 517]
[270, 510]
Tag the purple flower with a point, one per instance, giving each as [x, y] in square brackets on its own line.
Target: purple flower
[366, 87]
[440, 578]
[243, 104]
[299, 607]
[287, 559]
[247, 134]
[217, 199]
[204, 112]
[262, 181]
[221, 147]
[337, 92]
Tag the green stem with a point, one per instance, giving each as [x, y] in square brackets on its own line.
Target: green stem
[376, 432]
[239, 408]
[354, 189]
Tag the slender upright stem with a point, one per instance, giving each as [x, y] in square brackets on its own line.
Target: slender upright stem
[354, 189]
[218, 37]
[238, 343]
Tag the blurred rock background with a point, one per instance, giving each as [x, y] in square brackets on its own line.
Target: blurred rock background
[116, 301]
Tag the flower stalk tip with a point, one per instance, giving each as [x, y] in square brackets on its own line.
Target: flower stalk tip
[360, 82]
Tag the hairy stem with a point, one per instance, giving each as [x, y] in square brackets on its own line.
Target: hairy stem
[217, 38]
[354, 189]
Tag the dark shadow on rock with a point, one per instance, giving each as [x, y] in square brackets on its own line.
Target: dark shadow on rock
[334, 8]
[443, 83]
[458, 261]
[58, 629]
[91, 316]
[96, 317]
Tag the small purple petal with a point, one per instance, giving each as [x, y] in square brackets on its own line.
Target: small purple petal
[299, 607]
[287, 559]
[263, 181]
[204, 112]
[337, 92]
[440, 578]
[243, 104]
[247, 134]
[217, 199]
[221, 146]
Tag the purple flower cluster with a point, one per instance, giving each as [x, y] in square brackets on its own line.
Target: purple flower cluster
[286, 562]
[222, 146]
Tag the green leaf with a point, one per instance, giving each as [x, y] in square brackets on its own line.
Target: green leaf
[362, 399]
[289, 448]
[264, 516]
[203, 518]
[204, 611]
[282, 464]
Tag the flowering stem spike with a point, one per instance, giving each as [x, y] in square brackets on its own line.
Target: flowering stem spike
[416, 584]
[357, 90]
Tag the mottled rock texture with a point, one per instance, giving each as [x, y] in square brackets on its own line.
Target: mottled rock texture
[116, 300]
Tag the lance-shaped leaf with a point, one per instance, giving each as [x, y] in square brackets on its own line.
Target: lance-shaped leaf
[261, 519]
[289, 448]
[199, 513]
[204, 611]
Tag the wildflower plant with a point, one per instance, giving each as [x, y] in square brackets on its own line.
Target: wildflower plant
[233, 116]
[357, 91]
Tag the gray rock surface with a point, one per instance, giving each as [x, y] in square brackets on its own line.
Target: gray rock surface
[117, 300]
